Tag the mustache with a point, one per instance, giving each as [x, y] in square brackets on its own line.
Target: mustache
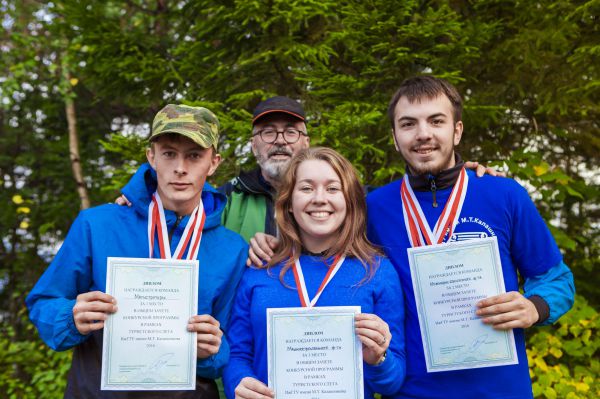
[280, 150]
[424, 147]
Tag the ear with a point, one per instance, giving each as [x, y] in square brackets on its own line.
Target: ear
[214, 163]
[306, 142]
[253, 144]
[395, 141]
[150, 156]
[458, 129]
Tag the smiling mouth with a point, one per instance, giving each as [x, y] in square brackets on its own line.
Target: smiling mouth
[424, 150]
[319, 214]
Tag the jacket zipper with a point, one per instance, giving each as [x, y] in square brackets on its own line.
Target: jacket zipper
[177, 221]
[433, 189]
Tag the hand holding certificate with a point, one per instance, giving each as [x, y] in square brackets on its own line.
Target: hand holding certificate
[314, 352]
[146, 344]
[448, 281]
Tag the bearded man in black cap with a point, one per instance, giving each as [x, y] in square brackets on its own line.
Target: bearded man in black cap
[278, 133]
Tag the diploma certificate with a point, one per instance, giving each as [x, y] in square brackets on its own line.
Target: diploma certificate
[314, 353]
[146, 343]
[448, 280]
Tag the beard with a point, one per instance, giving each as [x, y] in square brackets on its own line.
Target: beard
[425, 168]
[275, 168]
[433, 167]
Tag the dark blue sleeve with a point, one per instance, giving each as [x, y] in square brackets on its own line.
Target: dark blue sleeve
[387, 378]
[240, 338]
[50, 302]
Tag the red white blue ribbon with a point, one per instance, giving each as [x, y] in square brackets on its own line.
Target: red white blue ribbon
[192, 234]
[419, 232]
[305, 300]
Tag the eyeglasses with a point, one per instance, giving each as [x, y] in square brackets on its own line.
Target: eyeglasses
[290, 135]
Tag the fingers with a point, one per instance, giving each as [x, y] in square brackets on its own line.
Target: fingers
[87, 322]
[251, 388]
[473, 165]
[495, 172]
[91, 310]
[253, 259]
[205, 325]
[96, 296]
[375, 336]
[378, 342]
[208, 345]
[498, 304]
[505, 311]
[272, 242]
[488, 305]
[261, 245]
[505, 321]
[261, 249]
[205, 318]
[209, 334]
[122, 200]
[480, 171]
[372, 330]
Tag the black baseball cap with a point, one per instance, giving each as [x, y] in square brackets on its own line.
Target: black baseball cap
[278, 104]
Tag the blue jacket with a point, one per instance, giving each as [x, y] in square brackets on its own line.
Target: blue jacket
[493, 206]
[261, 289]
[121, 231]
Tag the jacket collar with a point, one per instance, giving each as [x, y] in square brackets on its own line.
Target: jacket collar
[444, 179]
[253, 182]
[143, 184]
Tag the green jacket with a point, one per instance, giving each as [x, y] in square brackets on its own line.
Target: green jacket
[249, 208]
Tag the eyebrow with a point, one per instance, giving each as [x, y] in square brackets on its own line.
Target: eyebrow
[167, 146]
[412, 118]
[312, 181]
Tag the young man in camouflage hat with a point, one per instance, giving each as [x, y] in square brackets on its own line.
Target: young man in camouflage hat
[68, 304]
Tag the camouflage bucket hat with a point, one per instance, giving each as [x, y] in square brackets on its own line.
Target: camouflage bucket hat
[196, 123]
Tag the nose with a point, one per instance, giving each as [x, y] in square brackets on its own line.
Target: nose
[319, 196]
[180, 168]
[423, 132]
[279, 139]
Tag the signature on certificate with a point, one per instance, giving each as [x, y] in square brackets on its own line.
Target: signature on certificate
[160, 362]
[480, 340]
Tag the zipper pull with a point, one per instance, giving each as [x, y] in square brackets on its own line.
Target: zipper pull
[433, 189]
[177, 221]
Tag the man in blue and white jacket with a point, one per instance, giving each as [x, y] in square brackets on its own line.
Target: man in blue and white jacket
[69, 305]
[426, 126]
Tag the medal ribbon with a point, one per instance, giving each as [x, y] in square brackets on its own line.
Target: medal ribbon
[192, 234]
[301, 284]
[419, 232]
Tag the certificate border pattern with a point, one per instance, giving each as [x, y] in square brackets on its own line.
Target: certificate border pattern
[107, 381]
[508, 341]
[272, 313]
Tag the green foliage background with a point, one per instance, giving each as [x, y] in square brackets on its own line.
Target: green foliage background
[528, 72]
